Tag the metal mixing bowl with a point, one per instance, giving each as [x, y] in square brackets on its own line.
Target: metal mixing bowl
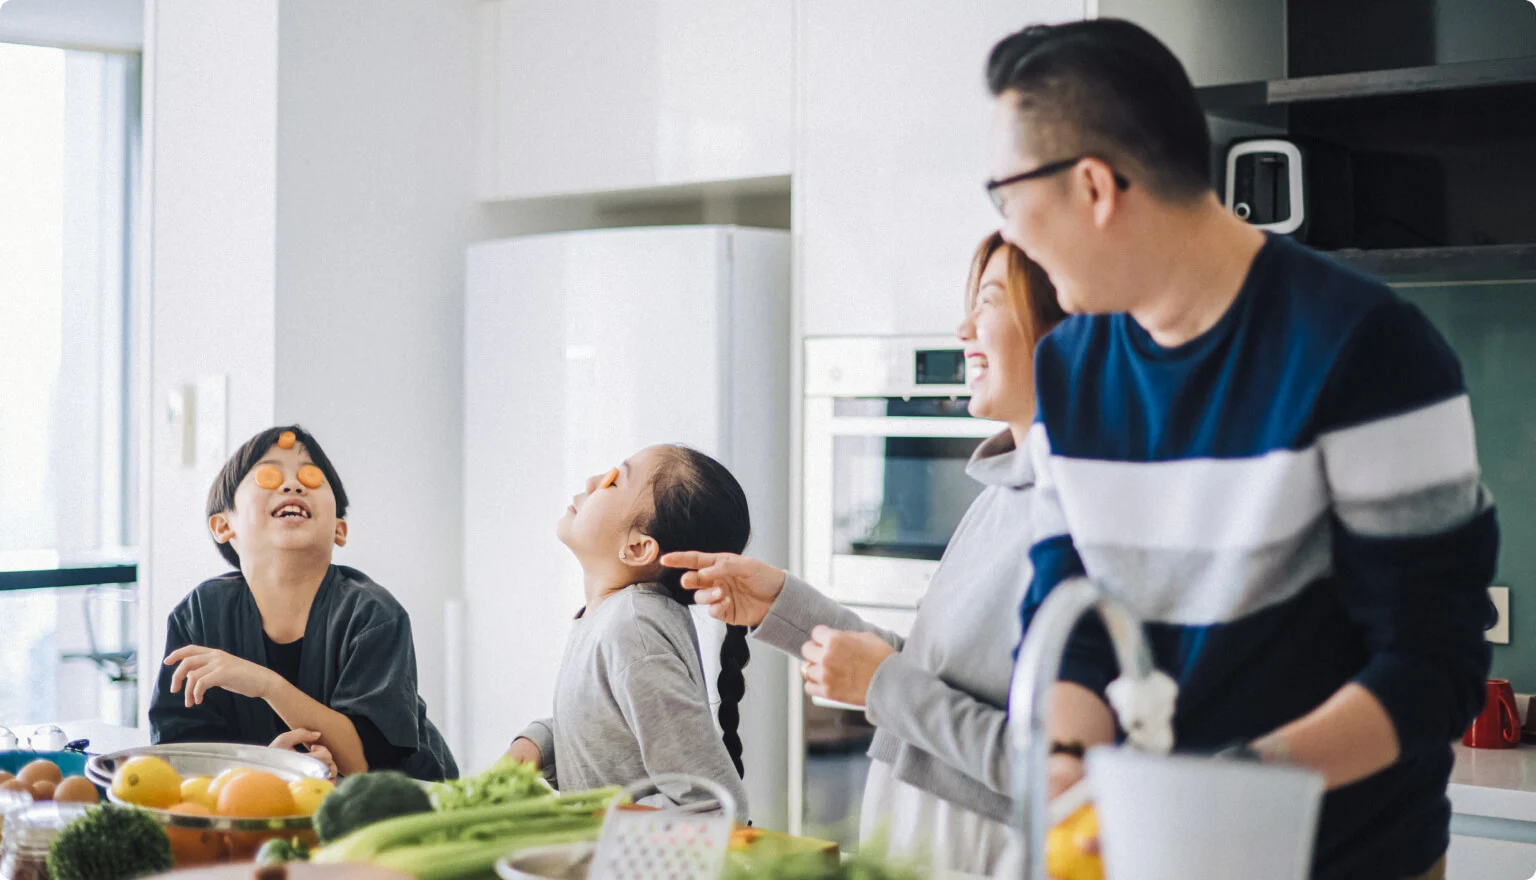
[211, 759]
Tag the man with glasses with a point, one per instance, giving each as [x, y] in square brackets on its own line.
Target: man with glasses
[1267, 454]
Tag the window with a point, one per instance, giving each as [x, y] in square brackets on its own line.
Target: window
[68, 476]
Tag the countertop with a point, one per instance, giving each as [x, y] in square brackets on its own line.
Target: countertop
[105, 738]
[1496, 783]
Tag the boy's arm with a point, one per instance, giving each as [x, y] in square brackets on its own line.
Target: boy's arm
[171, 718]
[200, 670]
[337, 732]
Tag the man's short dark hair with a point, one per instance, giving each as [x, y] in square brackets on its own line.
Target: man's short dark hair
[221, 495]
[1106, 88]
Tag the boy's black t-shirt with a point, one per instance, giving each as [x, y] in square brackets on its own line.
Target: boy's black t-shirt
[283, 659]
[381, 754]
[357, 657]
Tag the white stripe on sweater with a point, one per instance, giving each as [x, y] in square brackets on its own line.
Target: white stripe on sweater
[1404, 454]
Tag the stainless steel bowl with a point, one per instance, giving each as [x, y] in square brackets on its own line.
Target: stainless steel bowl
[569, 861]
[211, 759]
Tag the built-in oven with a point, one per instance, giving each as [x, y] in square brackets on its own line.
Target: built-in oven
[887, 437]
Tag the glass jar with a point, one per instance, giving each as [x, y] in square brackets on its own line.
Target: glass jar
[29, 830]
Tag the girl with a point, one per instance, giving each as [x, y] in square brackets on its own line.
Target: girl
[630, 700]
[939, 778]
[292, 650]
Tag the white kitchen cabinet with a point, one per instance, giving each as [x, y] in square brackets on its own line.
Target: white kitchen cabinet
[1483, 858]
[583, 96]
[889, 168]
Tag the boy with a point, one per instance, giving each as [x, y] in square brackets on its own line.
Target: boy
[292, 650]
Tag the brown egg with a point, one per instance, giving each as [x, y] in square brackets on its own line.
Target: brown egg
[6, 776]
[76, 790]
[42, 790]
[17, 786]
[40, 770]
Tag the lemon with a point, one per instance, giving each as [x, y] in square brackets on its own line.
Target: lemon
[1065, 858]
[308, 793]
[147, 781]
[195, 791]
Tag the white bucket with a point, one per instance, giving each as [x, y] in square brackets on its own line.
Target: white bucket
[1174, 817]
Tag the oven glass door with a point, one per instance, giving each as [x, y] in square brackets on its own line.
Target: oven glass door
[890, 490]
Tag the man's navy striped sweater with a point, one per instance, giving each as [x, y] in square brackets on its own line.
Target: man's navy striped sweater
[1292, 502]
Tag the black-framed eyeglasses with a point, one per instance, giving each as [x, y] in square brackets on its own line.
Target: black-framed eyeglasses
[994, 187]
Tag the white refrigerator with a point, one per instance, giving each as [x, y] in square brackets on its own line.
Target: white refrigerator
[579, 349]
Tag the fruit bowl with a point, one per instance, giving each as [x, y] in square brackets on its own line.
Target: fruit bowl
[212, 838]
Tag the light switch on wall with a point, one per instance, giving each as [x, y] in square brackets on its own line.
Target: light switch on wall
[179, 406]
[1500, 632]
[212, 422]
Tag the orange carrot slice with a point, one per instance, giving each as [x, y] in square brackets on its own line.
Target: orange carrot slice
[311, 476]
[286, 440]
[609, 479]
[268, 477]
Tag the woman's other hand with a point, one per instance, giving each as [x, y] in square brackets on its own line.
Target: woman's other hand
[840, 665]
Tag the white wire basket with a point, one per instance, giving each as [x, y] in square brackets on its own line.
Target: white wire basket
[686, 839]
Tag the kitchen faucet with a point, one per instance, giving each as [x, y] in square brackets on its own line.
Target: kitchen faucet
[1142, 697]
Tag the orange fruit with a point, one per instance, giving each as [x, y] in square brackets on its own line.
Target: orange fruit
[194, 846]
[256, 794]
[218, 783]
[147, 781]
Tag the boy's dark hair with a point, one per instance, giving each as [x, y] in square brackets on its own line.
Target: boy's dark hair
[221, 495]
[1107, 88]
[698, 505]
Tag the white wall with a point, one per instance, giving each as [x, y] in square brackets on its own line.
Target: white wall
[374, 209]
[211, 151]
[310, 168]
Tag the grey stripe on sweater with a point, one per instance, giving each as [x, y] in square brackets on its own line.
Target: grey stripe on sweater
[940, 705]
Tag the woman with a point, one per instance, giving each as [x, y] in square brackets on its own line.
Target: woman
[939, 781]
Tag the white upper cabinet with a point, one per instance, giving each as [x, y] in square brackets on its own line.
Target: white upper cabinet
[888, 179]
[586, 96]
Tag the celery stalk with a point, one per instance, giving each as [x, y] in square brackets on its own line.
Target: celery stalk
[457, 861]
[367, 844]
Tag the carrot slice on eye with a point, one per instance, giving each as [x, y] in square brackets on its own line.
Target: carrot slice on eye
[609, 479]
[286, 440]
[311, 476]
[268, 477]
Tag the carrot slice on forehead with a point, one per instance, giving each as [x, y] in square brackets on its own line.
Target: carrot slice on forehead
[286, 440]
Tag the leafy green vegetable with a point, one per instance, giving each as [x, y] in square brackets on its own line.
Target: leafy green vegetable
[508, 781]
[110, 843]
[367, 798]
[467, 842]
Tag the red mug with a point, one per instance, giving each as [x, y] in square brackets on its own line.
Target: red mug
[1498, 725]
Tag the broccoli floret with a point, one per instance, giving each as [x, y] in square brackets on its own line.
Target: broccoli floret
[278, 851]
[368, 798]
[110, 843]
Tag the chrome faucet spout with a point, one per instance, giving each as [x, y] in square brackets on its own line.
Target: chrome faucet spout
[1036, 669]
